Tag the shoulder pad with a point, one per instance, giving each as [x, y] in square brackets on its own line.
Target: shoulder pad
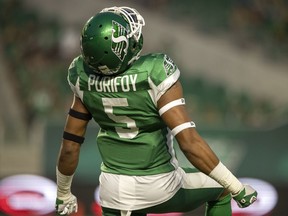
[74, 70]
[163, 68]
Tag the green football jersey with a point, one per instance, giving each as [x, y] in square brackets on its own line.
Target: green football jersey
[133, 139]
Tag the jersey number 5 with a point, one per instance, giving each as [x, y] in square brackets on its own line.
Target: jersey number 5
[131, 131]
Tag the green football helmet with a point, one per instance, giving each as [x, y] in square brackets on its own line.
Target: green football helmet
[112, 39]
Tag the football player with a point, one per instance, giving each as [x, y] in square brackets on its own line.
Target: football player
[138, 104]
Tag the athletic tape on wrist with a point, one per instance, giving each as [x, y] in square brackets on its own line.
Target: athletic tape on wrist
[63, 184]
[181, 127]
[171, 104]
[225, 178]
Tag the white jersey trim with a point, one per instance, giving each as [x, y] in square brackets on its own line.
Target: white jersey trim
[157, 91]
[167, 83]
[76, 88]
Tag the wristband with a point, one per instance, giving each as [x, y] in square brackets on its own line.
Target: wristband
[225, 178]
[63, 184]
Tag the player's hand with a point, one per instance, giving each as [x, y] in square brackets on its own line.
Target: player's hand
[245, 197]
[67, 205]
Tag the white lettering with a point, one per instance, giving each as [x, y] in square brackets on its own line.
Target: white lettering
[91, 81]
[133, 81]
[116, 83]
[98, 87]
[106, 84]
[124, 83]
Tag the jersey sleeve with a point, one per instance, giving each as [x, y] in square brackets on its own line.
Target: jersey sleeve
[73, 77]
[163, 75]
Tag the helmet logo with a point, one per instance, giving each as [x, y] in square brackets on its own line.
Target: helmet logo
[120, 41]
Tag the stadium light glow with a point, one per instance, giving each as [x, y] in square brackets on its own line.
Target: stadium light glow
[27, 195]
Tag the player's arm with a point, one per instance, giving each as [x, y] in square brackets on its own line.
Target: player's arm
[191, 143]
[174, 113]
[73, 137]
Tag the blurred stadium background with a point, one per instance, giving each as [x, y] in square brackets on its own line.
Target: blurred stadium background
[233, 59]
